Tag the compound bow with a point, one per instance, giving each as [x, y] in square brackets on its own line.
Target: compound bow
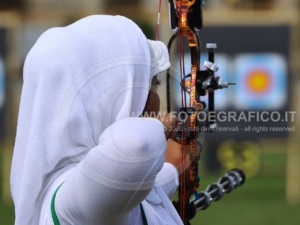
[186, 20]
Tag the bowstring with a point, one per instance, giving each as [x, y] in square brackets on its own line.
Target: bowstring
[183, 103]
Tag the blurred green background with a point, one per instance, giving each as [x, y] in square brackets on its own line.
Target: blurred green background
[271, 195]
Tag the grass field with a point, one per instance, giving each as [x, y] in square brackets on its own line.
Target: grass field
[260, 201]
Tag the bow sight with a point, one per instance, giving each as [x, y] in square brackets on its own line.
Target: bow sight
[207, 82]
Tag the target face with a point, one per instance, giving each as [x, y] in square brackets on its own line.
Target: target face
[240, 154]
[261, 82]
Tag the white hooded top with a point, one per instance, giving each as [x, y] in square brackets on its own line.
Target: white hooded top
[78, 80]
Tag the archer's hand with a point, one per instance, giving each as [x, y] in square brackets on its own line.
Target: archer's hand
[178, 155]
[174, 150]
[168, 121]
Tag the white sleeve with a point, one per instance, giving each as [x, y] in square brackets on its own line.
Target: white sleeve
[168, 179]
[115, 176]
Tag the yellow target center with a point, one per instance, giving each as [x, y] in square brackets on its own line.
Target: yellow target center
[258, 81]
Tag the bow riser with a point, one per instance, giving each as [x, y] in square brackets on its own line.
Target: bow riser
[186, 20]
[188, 179]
